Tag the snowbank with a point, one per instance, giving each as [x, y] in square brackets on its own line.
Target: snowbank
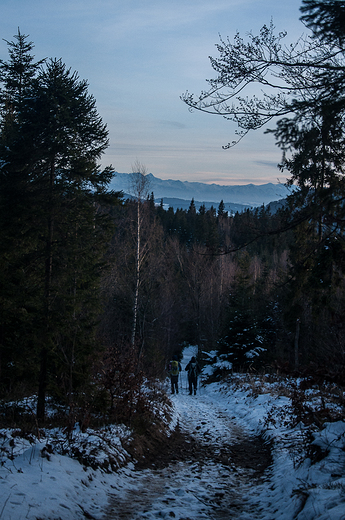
[53, 478]
[307, 479]
[36, 481]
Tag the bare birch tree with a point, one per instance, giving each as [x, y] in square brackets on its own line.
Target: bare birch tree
[139, 188]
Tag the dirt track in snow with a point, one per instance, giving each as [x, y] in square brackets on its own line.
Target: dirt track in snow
[207, 469]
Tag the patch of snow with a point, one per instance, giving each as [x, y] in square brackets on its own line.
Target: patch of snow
[53, 479]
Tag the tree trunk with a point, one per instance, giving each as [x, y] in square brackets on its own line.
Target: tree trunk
[137, 279]
[48, 279]
[296, 343]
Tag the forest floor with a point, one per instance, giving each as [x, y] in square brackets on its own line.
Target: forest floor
[205, 469]
[235, 454]
[243, 448]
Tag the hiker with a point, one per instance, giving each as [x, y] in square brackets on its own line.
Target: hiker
[174, 369]
[193, 372]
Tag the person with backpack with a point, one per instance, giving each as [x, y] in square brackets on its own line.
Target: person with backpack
[174, 369]
[193, 372]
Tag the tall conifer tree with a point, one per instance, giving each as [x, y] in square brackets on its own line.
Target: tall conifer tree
[51, 183]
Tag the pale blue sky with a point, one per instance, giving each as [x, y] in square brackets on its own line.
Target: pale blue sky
[139, 56]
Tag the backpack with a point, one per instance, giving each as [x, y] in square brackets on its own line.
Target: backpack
[174, 369]
[192, 372]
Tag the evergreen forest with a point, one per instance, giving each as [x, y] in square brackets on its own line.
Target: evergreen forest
[98, 292]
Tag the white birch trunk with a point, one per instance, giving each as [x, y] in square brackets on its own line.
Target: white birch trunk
[137, 280]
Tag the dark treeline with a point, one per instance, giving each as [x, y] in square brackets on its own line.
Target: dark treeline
[97, 293]
[231, 284]
[188, 286]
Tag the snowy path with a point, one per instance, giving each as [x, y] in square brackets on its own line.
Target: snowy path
[214, 468]
[214, 465]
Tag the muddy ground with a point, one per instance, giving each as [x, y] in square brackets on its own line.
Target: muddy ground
[252, 452]
[187, 477]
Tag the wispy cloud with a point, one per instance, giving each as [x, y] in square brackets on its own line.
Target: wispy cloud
[173, 124]
[139, 57]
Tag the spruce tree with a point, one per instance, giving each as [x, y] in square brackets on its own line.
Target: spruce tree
[18, 241]
[221, 209]
[49, 172]
[248, 333]
[16, 74]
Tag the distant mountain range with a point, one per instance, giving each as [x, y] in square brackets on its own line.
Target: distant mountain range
[179, 194]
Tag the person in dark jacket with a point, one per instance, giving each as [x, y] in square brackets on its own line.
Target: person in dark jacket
[174, 369]
[193, 372]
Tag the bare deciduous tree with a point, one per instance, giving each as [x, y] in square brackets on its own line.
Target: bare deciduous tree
[139, 189]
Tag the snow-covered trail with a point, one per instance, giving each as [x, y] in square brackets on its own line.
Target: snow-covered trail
[202, 487]
[182, 490]
[212, 478]
[233, 452]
